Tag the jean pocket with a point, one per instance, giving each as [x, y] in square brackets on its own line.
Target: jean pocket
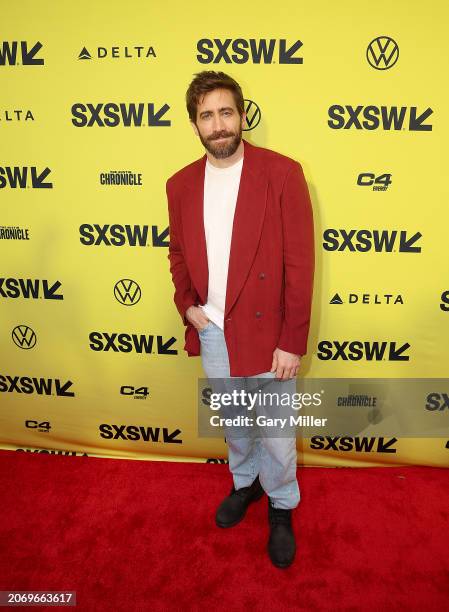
[200, 331]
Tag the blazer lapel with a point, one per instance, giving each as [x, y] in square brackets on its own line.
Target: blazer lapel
[247, 225]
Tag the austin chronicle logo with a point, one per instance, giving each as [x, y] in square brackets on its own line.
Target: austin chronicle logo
[253, 115]
[382, 53]
[24, 337]
[127, 292]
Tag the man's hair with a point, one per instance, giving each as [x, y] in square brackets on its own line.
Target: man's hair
[206, 81]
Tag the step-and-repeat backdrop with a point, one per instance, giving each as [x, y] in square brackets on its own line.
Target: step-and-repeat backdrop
[93, 122]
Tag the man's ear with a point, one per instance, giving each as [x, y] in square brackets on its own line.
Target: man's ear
[195, 129]
[244, 120]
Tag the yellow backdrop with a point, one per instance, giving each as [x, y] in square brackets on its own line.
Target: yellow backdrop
[92, 94]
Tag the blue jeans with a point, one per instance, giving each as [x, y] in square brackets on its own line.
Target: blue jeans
[273, 459]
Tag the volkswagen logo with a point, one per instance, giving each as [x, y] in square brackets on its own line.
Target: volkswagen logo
[382, 53]
[127, 292]
[24, 337]
[253, 115]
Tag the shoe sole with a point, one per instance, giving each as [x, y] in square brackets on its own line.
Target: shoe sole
[225, 525]
[281, 566]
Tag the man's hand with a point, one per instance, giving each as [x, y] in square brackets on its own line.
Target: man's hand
[196, 316]
[285, 364]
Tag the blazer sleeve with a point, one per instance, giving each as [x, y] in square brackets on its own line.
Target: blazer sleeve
[183, 296]
[299, 261]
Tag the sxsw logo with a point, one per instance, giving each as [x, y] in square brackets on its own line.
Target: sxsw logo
[444, 305]
[375, 117]
[46, 451]
[29, 289]
[128, 343]
[12, 54]
[365, 240]
[30, 385]
[437, 401]
[110, 114]
[242, 51]
[21, 177]
[356, 350]
[139, 432]
[348, 443]
[121, 235]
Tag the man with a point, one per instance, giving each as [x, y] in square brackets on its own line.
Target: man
[242, 262]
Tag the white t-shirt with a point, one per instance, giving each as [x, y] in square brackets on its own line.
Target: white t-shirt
[221, 186]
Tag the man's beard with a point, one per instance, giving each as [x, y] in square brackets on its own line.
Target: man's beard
[221, 150]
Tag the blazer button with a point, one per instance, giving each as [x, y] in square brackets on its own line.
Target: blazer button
[262, 275]
[258, 314]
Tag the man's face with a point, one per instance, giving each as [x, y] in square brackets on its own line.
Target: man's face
[218, 123]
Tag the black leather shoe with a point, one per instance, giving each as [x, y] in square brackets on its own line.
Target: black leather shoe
[233, 508]
[281, 544]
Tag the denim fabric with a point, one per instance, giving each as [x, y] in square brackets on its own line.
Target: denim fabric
[251, 454]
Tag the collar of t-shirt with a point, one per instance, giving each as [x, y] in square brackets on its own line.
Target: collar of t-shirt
[224, 171]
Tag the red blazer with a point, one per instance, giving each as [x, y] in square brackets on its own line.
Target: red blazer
[271, 261]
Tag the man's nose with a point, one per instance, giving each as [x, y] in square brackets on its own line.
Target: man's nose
[218, 124]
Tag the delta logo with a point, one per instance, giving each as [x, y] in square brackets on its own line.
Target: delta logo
[127, 52]
[367, 298]
[16, 114]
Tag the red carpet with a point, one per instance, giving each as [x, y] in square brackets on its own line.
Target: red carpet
[140, 535]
